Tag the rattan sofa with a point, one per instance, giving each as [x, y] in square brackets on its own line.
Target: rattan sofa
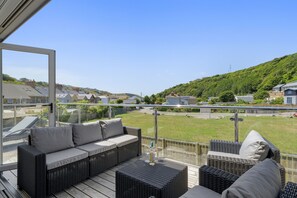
[262, 180]
[59, 157]
[225, 155]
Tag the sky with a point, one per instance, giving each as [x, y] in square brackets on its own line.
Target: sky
[146, 46]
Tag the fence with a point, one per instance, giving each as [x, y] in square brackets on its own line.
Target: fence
[195, 153]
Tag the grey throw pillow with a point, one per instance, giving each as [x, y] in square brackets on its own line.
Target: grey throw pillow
[262, 180]
[112, 127]
[83, 134]
[52, 139]
[254, 147]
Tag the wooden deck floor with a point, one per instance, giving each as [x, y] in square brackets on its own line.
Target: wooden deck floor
[102, 185]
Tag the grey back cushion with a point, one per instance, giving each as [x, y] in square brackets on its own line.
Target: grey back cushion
[83, 134]
[52, 139]
[254, 147]
[262, 180]
[112, 127]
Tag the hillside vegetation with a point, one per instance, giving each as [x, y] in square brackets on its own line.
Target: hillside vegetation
[24, 81]
[246, 81]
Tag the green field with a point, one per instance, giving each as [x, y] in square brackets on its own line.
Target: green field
[281, 131]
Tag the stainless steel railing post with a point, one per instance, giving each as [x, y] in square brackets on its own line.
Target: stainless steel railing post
[14, 115]
[236, 126]
[79, 114]
[109, 112]
[156, 130]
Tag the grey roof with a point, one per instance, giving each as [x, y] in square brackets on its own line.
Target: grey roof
[19, 91]
[290, 84]
[62, 95]
[42, 90]
[278, 86]
[29, 90]
[11, 91]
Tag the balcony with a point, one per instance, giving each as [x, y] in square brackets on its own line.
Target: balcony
[182, 133]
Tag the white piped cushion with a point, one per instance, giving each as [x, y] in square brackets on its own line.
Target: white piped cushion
[97, 147]
[61, 158]
[123, 140]
[254, 147]
[224, 154]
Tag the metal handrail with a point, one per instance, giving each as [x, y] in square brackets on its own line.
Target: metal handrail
[291, 108]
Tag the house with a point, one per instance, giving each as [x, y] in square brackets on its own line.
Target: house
[12, 95]
[74, 97]
[89, 97]
[104, 99]
[64, 98]
[290, 96]
[292, 85]
[21, 94]
[81, 97]
[278, 88]
[246, 98]
[180, 100]
[132, 100]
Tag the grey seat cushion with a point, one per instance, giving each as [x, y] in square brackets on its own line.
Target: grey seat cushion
[254, 147]
[224, 154]
[52, 139]
[200, 192]
[61, 158]
[83, 134]
[111, 128]
[97, 147]
[123, 140]
[262, 180]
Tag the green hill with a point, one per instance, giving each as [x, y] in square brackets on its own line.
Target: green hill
[246, 81]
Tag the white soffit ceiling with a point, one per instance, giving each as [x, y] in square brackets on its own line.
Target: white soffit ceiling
[13, 13]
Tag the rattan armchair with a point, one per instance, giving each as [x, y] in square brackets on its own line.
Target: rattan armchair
[235, 165]
[213, 181]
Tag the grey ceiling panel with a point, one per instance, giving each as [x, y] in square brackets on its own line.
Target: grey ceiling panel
[13, 13]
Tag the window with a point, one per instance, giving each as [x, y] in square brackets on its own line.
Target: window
[289, 100]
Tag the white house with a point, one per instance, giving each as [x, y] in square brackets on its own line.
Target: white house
[180, 100]
[246, 98]
[104, 99]
[64, 98]
[290, 96]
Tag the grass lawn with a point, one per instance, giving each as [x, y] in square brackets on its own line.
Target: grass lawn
[281, 131]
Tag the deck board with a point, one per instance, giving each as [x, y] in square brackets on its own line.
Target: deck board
[101, 186]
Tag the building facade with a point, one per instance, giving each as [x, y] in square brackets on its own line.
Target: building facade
[290, 96]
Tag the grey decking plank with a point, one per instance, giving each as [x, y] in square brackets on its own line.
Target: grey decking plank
[110, 172]
[15, 172]
[107, 177]
[89, 191]
[11, 180]
[76, 193]
[63, 194]
[102, 189]
[1, 187]
[2, 194]
[104, 182]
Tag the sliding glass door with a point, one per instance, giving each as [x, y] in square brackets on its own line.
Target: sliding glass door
[28, 96]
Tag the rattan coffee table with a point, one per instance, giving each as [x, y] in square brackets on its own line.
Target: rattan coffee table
[165, 179]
